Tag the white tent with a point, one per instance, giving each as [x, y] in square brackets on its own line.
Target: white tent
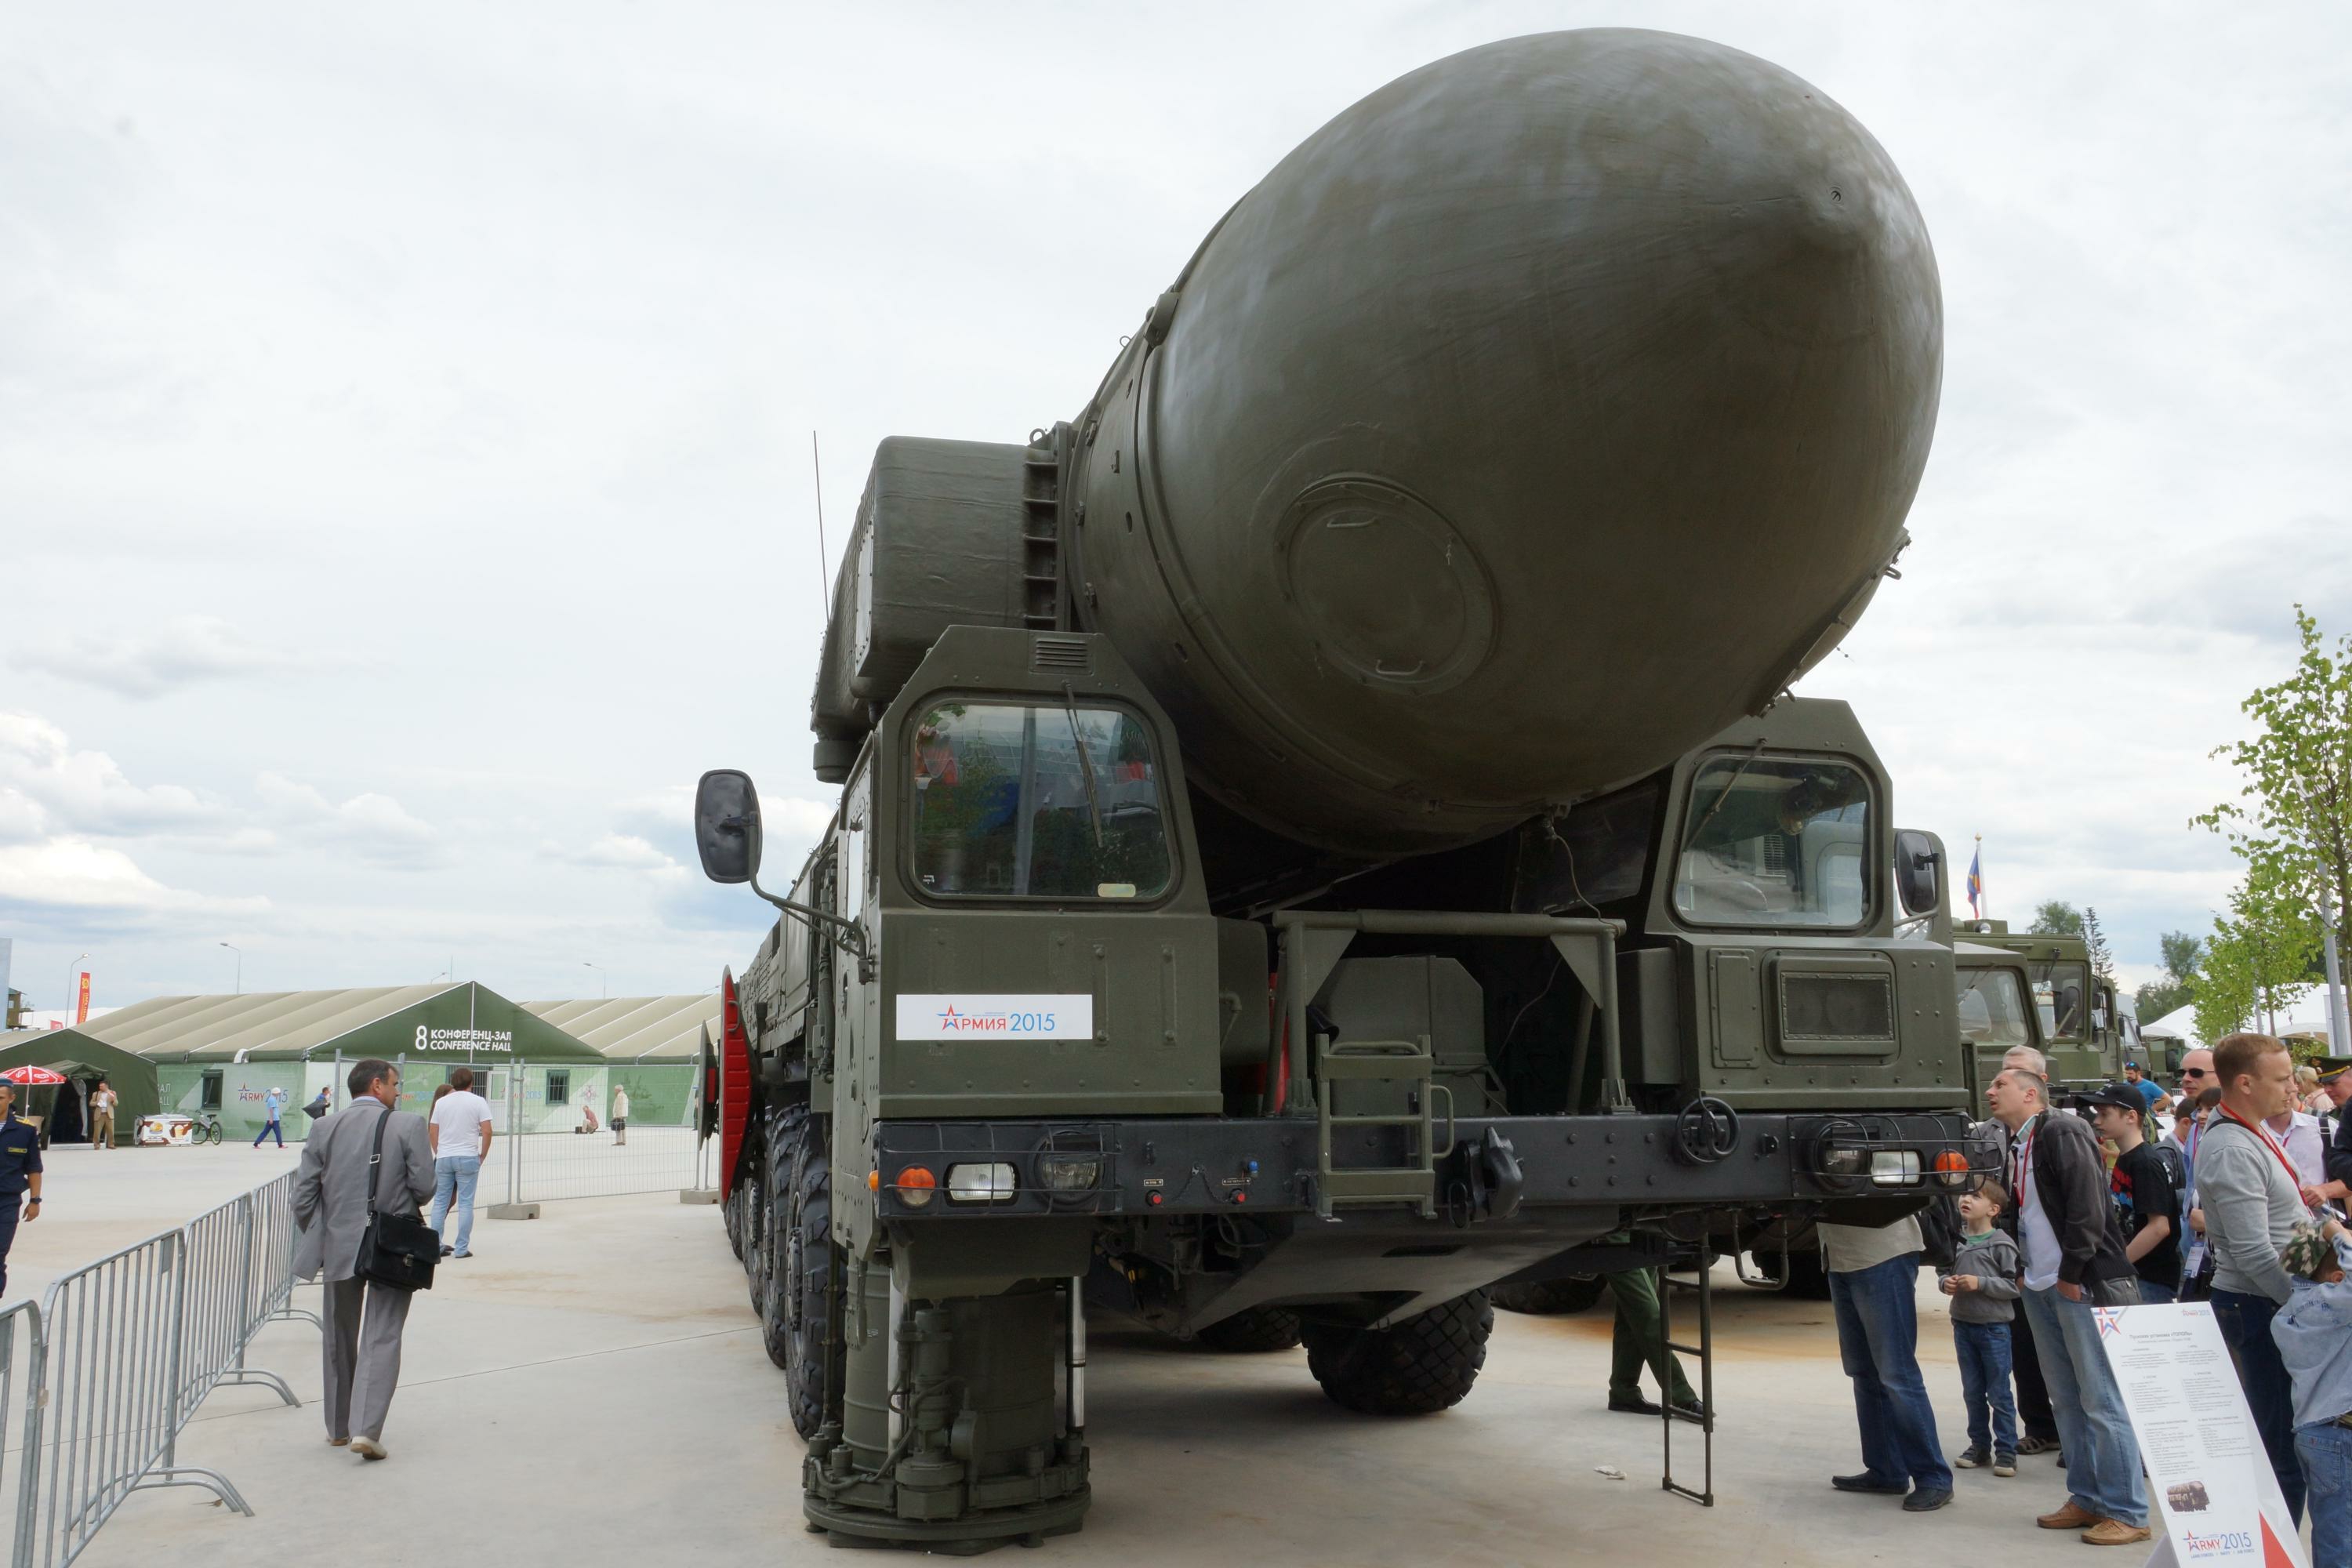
[2307, 1016]
[2180, 1024]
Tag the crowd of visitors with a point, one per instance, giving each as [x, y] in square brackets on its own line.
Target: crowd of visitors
[2231, 1206]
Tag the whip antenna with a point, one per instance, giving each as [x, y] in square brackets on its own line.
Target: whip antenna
[816, 465]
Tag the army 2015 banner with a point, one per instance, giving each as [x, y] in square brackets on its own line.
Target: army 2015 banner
[960, 1015]
[2204, 1459]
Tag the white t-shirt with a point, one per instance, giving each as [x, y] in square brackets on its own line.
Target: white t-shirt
[2043, 1256]
[459, 1116]
[620, 1104]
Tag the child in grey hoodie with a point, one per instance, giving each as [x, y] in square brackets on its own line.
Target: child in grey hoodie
[1983, 1285]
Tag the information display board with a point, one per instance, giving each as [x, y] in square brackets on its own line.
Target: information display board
[2205, 1460]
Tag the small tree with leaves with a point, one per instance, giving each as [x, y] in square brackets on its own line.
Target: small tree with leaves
[2184, 953]
[2056, 917]
[2292, 822]
[2258, 962]
[2094, 940]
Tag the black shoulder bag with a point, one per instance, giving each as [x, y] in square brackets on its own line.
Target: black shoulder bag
[397, 1251]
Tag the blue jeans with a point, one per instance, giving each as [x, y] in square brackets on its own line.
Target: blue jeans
[453, 1178]
[2246, 1323]
[1878, 1341]
[2102, 1455]
[1984, 1386]
[269, 1130]
[2151, 1294]
[2325, 1450]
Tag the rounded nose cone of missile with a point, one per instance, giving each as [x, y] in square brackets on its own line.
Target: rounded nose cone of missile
[1542, 414]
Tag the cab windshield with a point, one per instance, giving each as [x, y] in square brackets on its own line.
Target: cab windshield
[1992, 1009]
[1045, 800]
[1776, 842]
[2061, 994]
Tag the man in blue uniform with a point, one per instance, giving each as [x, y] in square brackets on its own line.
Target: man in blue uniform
[20, 1175]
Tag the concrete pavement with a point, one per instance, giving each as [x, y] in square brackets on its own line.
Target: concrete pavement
[591, 1389]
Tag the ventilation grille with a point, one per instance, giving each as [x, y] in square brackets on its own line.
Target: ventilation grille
[1060, 653]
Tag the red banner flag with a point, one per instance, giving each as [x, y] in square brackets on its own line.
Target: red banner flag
[81, 1005]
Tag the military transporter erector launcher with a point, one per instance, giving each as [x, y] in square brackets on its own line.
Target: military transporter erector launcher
[1323, 831]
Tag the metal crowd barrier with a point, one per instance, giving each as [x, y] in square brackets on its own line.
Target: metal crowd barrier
[121, 1352]
[548, 1165]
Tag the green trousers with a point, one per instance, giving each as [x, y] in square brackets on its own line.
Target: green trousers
[1637, 1339]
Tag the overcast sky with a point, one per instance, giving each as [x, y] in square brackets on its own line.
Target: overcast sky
[405, 412]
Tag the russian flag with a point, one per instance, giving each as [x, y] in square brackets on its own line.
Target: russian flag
[1975, 882]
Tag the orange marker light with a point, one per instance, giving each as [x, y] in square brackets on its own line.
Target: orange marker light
[873, 1181]
[916, 1187]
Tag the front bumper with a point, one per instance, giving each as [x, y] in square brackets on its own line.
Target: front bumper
[1161, 1167]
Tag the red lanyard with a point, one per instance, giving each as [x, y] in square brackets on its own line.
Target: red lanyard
[2294, 1177]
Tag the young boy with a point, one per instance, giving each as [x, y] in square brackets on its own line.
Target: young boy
[2313, 1334]
[1982, 1284]
[2147, 1206]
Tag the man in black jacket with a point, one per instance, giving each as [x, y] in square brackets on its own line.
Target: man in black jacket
[2075, 1260]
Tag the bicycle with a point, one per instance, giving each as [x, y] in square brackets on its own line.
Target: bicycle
[204, 1129]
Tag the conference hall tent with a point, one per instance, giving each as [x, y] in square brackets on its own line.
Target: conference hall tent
[652, 1043]
[223, 1054]
[84, 1060]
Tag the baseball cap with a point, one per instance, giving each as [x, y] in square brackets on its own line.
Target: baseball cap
[2122, 1096]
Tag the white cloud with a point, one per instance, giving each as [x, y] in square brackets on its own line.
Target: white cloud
[626, 852]
[46, 786]
[74, 875]
[373, 825]
[177, 654]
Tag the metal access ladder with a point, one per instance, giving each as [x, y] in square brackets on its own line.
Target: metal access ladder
[1702, 1287]
[1408, 1062]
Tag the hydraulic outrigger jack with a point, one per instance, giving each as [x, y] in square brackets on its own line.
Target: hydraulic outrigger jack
[951, 1438]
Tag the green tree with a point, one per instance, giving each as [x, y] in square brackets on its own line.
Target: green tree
[2183, 955]
[2094, 940]
[2292, 822]
[2258, 962]
[2056, 917]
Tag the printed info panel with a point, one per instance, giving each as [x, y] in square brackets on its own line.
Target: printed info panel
[2206, 1467]
[1023, 1015]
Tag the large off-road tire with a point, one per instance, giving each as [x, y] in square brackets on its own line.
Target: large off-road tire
[1552, 1298]
[1253, 1331]
[751, 1185]
[730, 1214]
[795, 1321]
[786, 1131]
[1425, 1363]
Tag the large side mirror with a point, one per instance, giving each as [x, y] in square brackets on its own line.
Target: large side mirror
[726, 826]
[1918, 872]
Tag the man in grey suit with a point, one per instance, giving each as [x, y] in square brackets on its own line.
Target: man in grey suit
[362, 1320]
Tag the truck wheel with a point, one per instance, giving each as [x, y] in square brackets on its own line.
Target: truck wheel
[732, 1214]
[753, 1186]
[786, 1131]
[1253, 1331]
[1552, 1298]
[1425, 1363]
[813, 1369]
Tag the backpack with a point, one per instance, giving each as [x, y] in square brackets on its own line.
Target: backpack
[2176, 1169]
[1939, 1231]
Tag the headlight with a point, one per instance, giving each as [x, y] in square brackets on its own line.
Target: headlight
[980, 1183]
[1842, 1160]
[1952, 1166]
[1895, 1167]
[1071, 1172]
